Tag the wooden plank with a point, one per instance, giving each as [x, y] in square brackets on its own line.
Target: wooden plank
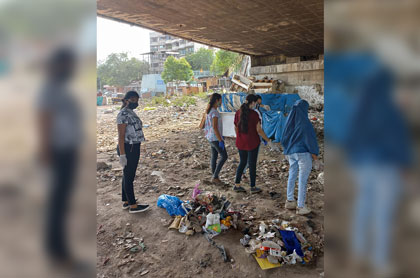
[239, 83]
[244, 80]
[262, 91]
[260, 84]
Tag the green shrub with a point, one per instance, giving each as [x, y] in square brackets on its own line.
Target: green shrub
[157, 101]
[174, 101]
[184, 100]
[202, 95]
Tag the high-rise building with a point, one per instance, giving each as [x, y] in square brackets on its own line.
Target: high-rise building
[162, 46]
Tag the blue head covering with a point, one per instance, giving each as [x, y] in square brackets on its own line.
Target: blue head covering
[377, 130]
[299, 134]
[360, 113]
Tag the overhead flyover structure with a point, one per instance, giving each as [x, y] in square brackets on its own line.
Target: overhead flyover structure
[258, 28]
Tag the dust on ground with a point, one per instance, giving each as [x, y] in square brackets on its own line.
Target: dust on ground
[176, 147]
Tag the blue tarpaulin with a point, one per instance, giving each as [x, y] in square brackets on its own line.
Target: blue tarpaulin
[274, 120]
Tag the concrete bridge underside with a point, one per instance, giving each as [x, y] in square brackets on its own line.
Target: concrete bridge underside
[253, 27]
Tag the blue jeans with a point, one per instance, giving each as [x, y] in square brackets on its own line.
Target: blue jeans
[216, 167]
[377, 196]
[247, 164]
[299, 163]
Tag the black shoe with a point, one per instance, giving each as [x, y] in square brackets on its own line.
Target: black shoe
[255, 190]
[239, 189]
[139, 208]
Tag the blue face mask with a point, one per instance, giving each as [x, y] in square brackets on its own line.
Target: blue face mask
[133, 105]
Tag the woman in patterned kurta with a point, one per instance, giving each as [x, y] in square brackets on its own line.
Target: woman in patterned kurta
[130, 137]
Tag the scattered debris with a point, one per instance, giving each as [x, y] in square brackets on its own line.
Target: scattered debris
[100, 230]
[245, 240]
[159, 174]
[165, 150]
[106, 261]
[206, 261]
[125, 262]
[144, 273]
[143, 247]
[100, 166]
[320, 178]
[220, 247]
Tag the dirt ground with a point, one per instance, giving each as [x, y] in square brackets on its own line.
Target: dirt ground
[177, 148]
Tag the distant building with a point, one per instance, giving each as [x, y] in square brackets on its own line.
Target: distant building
[162, 46]
[134, 86]
[152, 85]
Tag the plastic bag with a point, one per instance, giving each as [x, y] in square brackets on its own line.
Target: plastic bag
[216, 227]
[172, 204]
[212, 219]
[196, 191]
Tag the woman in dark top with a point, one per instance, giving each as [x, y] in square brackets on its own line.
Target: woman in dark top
[248, 131]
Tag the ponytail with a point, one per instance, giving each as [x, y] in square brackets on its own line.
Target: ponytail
[214, 97]
[124, 103]
[244, 114]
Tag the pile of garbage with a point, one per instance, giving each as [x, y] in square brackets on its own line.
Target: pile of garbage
[207, 212]
[274, 243]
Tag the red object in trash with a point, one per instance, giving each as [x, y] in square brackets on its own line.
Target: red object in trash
[314, 119]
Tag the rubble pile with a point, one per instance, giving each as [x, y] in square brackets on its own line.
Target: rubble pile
[274, 243]
[251, 84]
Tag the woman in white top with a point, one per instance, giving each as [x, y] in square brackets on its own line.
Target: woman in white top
[213, 132]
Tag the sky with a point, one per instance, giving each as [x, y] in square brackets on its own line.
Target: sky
[116, 37]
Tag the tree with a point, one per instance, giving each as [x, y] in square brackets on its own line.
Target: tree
[201, 60]
[223, 60]
[176, 70]
[119, 70]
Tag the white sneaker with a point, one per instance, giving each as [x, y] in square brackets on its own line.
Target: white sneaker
[303, 211]
[290, 204]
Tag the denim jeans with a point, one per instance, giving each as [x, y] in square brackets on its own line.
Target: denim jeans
[216, 167]
[249, 157]
[377, 196]
[132, 152]
[299, 163]
[247, 165]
